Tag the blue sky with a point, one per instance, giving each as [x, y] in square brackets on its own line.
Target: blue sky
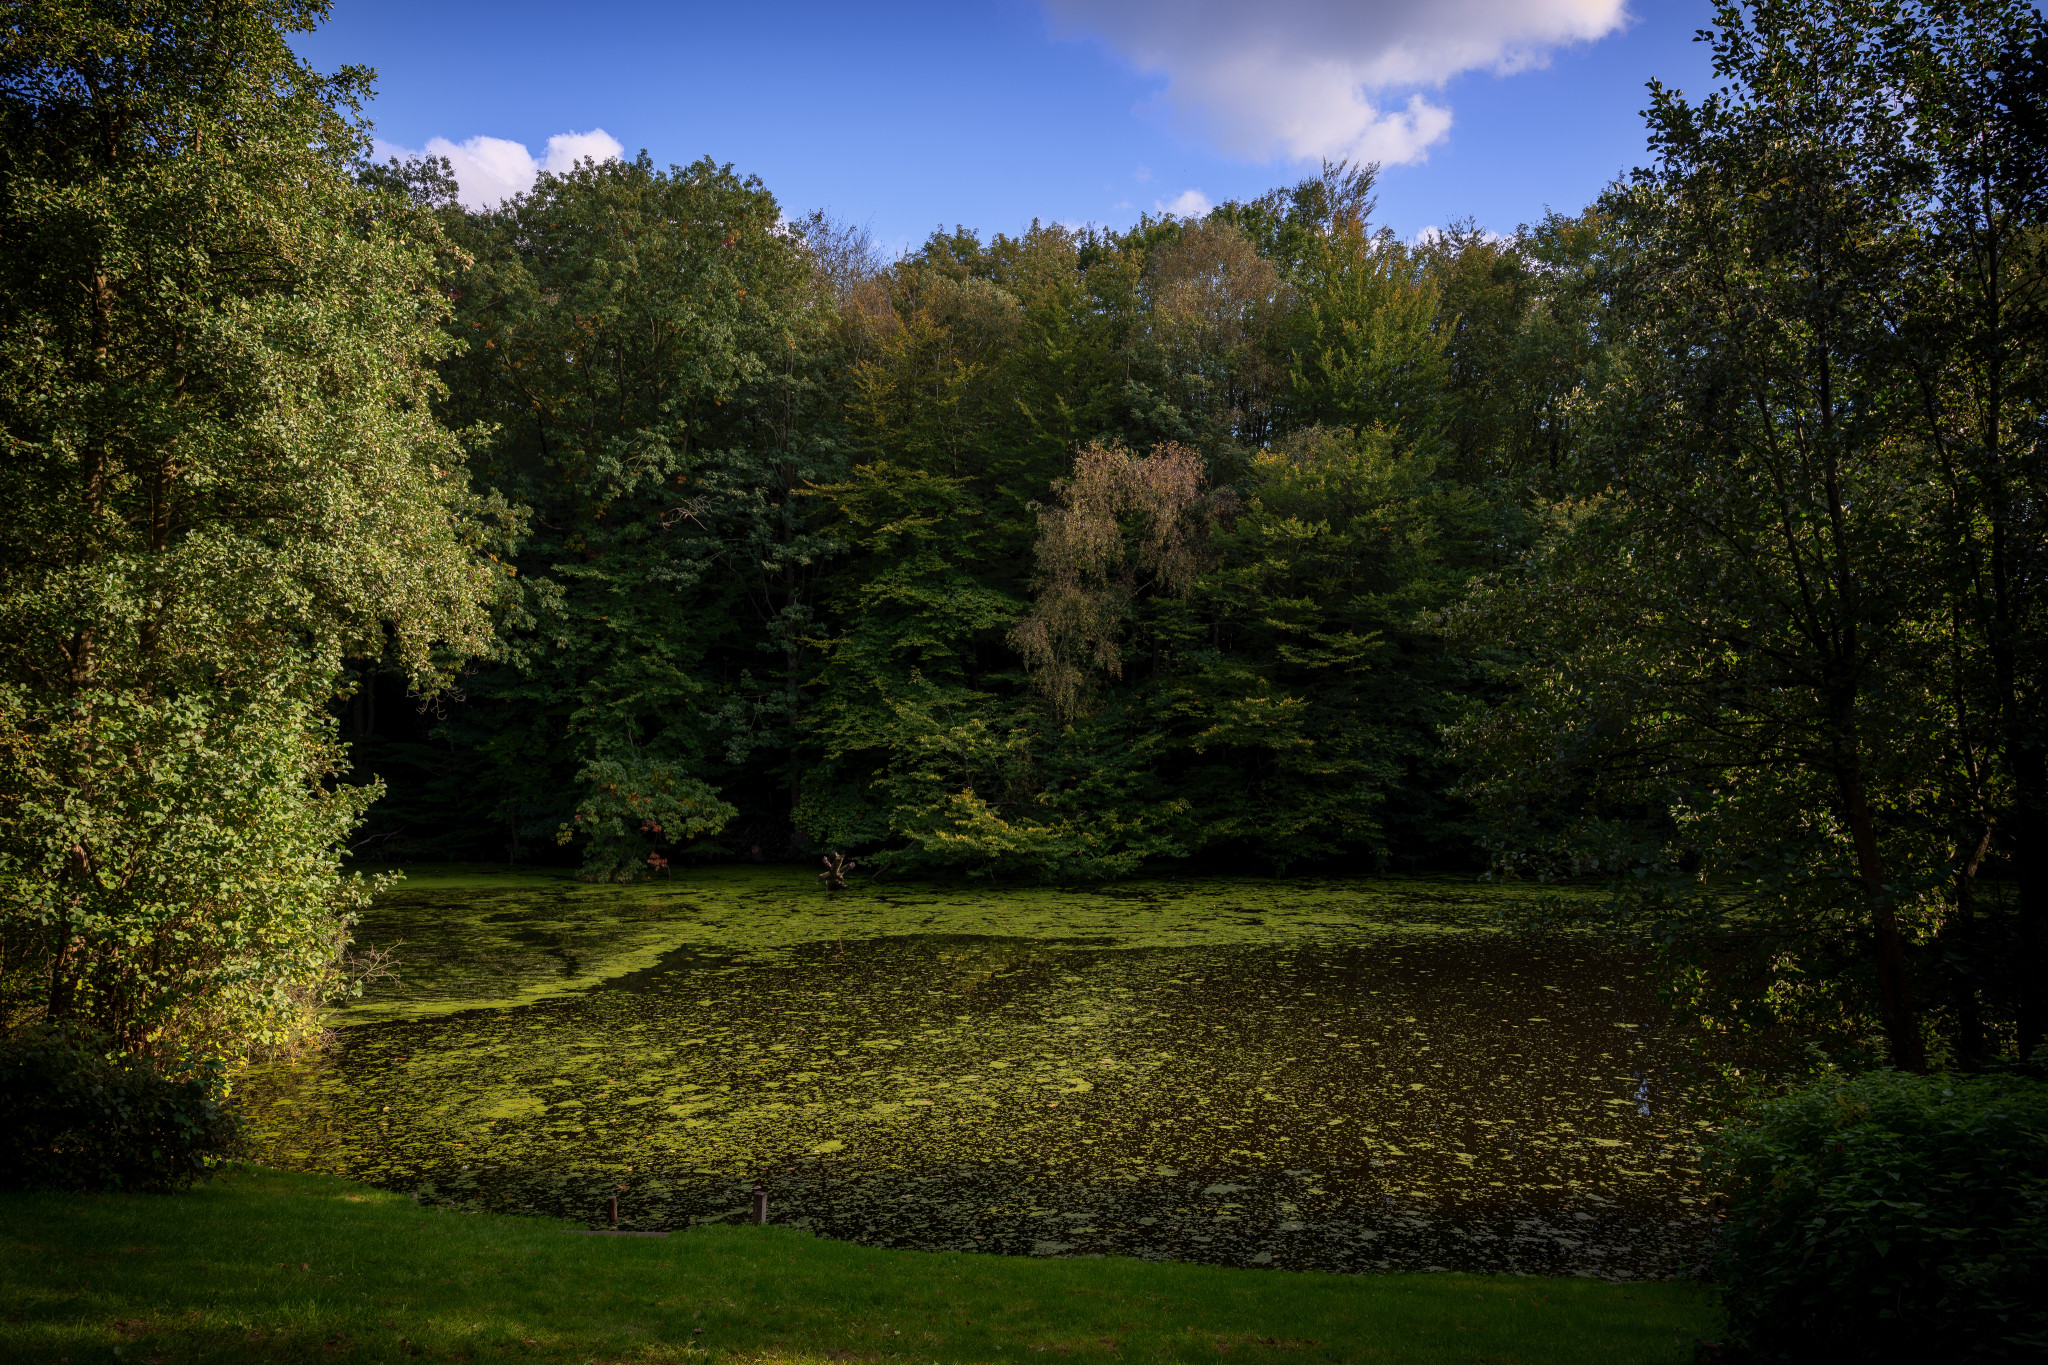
[909, 116]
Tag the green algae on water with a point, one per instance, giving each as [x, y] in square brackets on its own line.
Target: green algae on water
[472, 938]
[1331, 1075]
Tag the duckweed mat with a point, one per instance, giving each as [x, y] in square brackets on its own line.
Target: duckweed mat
[473, 938]
[1308, 1075]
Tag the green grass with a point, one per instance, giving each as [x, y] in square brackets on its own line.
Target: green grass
[266, 1266]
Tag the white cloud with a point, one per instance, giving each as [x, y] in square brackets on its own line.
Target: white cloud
[491, 169]
[1305, 79]
[566, 149]
[1186, 204]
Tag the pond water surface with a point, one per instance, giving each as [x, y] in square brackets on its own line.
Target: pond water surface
[1335, 1075]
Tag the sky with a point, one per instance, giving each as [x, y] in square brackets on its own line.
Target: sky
[908, 117]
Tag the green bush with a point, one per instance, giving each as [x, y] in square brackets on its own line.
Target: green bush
[72, 1118]
[1890, 1217]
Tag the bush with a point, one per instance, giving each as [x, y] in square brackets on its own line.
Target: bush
[1890, 1217]
[72, 1118]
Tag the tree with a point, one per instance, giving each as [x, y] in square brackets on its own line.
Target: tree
[791, 505]
[1729, 646]
[1121, 526]
[1976, 327]
[645, 345]
[1518, 319]
[215, 382]
[900, 723]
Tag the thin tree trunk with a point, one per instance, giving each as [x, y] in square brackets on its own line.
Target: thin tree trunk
[62, 992]
[796, 783]
[1963, 947]
[1894, 993]
[2029, 845]
[63, 1001]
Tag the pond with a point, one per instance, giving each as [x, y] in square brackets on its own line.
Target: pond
[1337, 1075]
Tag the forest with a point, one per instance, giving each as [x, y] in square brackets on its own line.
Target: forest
[1692, 541]
[1677, 564]
[1664, 582]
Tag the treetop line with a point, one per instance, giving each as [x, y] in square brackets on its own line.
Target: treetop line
[1693, 541]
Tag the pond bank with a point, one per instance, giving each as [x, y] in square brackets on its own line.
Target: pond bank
[267, 1266]
[1338, 1076]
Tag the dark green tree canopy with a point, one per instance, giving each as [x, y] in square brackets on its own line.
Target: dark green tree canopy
[1693, 541]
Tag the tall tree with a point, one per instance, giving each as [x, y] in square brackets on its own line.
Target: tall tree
[215, 381]
[1519, 322]
[644, 345]
[1724, 679]
[1975, 78]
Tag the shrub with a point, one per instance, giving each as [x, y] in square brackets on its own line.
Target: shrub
[1890, 1217]
[74, 1118]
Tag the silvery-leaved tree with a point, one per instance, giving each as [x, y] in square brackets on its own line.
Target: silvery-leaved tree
[222, 477]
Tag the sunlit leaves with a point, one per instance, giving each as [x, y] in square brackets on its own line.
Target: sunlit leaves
[224, 477]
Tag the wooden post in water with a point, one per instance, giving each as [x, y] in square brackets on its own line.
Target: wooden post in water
[760, 1207]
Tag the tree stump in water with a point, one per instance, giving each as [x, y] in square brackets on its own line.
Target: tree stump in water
[837, 865]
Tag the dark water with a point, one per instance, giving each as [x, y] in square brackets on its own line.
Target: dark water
[1395, 1100]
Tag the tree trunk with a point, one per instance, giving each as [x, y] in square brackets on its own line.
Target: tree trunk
[2029, 844]
[796, 780]
[1966, 964]
[62, 993]
[792, 659]
[1894, 993]
[63, 1001]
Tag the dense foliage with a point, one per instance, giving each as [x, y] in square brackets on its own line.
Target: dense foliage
[1059, 554]
[71, 1118]
[223, 474]
[1696, 540]
[1706, 525]
[1776, 660]
[1890, 1217]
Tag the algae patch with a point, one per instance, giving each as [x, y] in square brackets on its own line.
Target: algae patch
[473, 939]
[1365, 1084]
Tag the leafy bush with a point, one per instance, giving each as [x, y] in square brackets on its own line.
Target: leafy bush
[1890, 1217]
[73, 1118]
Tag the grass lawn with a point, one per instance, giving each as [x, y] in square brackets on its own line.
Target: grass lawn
[266, 1266]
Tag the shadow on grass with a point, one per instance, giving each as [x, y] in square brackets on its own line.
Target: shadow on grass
[268, 1266]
